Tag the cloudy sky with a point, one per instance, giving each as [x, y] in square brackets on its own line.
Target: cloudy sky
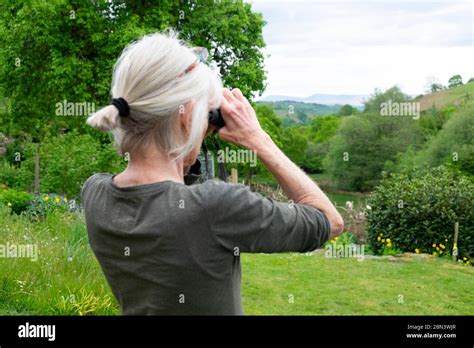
[353, 47]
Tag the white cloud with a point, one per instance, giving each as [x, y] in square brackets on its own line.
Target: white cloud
[354, 47]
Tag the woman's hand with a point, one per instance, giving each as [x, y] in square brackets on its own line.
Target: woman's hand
[241, 123]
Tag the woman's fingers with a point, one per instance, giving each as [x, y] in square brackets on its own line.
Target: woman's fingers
[229, 96]
[237, 93]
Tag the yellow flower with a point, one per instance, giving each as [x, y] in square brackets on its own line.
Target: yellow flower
[464, 258]
[46, 198]
[378, 238]
[383, 240]
[440, 252]
[417, 251]
[435, 253]
[65, 199]
[336, 238]
[388, 240]
[381, 235]
[389, 245]
[57, 200]
[434, 245]
[442, 246]
[445, 240]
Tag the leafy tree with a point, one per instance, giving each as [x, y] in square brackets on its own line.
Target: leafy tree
[65, 50]
[363, 144]
[435, 87]
[302, 116]
[394, 94]
[454, 144]
[295, 144]
[346, 110]
[454, 81]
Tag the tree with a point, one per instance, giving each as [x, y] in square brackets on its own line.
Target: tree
[321, 129]
[453, 146]
[65, 50]
[454, 81]
[295, 144]
[435, 87]
[363, 144]
[394, 94]
[346, 110]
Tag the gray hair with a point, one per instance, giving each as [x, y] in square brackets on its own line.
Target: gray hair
[149, 76]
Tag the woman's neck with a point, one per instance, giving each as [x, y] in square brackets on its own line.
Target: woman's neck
[150, 167]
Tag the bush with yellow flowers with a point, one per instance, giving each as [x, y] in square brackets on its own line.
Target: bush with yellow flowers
[416, 212]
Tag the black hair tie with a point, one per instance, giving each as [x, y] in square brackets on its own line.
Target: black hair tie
[122, 106]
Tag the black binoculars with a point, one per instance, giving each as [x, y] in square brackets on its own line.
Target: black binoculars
[216, 119]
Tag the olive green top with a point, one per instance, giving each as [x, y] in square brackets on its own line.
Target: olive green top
[170, 249]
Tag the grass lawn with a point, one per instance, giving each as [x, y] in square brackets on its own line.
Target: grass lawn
[345, 286]
[66, 279]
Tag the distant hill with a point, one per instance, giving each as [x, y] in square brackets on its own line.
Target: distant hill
[298, 112]
[325, 99]
[451, 96]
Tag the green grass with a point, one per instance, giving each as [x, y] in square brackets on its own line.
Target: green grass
[66, 279]
[345, 286]
[446, 97]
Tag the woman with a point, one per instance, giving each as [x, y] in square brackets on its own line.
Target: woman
[168, 248]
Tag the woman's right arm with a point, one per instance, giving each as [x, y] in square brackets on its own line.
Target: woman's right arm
[242, 128]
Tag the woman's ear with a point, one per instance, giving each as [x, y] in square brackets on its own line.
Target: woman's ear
[186, 112]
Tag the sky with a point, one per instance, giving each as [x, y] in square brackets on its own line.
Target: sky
[353, 47]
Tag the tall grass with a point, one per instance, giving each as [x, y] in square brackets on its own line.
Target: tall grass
[65, 280]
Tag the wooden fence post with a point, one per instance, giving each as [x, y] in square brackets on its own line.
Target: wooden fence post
[234, 176]
[36, 188]
[455, 245]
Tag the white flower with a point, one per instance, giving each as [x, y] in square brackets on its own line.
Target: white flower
[349, 205]
[368, 207]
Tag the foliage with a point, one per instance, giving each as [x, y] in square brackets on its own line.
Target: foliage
[347, 110]
[455, 81]
[394, 94]
[295, 144]
[453, 145]
[435, 87]
[65, 163]
[42, 205]
[363, 144]
[18, 201]
[420, 210]
[321, 129]
[65, 50]
[298, 112]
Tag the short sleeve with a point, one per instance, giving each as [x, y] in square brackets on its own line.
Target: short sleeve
[244, 219]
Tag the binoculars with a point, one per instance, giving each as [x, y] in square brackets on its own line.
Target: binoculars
[216, 119]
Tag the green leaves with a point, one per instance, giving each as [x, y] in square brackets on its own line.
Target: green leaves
[418, 210]
[65, 50]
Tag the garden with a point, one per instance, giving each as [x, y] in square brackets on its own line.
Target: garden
[404, 186]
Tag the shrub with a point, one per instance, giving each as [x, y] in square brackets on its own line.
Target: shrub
[418, 211]
[65, 163]
[18, 201]
[42, 205]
